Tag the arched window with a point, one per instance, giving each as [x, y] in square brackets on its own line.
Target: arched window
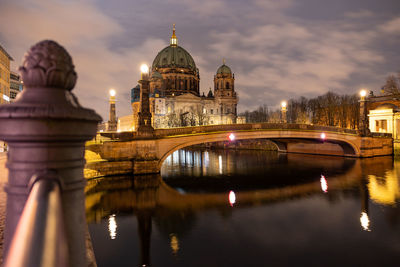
[227, 85]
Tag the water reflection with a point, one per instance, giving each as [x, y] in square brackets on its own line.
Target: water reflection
[270, 187]
[324, 184]
[112, 226]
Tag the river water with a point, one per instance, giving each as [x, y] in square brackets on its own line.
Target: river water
[249, 208]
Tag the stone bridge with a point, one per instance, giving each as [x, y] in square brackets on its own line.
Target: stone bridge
[129, 153]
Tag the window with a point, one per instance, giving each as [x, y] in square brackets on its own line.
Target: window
[212, 111]
[381, 125]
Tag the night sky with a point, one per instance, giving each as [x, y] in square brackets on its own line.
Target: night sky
[277, 49]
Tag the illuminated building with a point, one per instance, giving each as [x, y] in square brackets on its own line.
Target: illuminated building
[5, 59]
[16, 85]
[175, 98]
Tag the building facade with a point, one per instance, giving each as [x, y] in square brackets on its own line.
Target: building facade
[5, 59]
[175, 98]
[16, 85]
[384, 114]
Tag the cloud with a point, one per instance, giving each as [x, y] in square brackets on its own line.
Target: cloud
[391, 27]
[85, 31]
[274, 48]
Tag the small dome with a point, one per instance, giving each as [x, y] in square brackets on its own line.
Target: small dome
[156, 75]
[224, 69]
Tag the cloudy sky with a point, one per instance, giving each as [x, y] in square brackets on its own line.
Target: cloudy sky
[277, 49]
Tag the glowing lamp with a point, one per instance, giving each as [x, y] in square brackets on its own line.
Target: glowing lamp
[112, 92]
[144, 68]
[323, 136]
[232, 198]
[231, 137]
[283, 104]
[363, 93]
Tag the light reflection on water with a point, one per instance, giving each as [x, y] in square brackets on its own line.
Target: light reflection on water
[277, 212]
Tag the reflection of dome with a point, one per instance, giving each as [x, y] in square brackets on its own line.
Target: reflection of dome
[174, 57]
[224, 69]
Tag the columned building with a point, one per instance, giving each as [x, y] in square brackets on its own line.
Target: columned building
[175, 98]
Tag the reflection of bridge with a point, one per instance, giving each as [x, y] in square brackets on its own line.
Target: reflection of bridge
[139, 155]
[112, 195]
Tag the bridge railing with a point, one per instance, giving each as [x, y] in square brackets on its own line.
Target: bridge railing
[40, 239]
[249, 126]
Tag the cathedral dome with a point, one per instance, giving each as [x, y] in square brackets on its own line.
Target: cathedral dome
[174, 56]
[224, 69]
[156, 75]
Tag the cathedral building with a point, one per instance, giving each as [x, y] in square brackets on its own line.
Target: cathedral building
[175, 98]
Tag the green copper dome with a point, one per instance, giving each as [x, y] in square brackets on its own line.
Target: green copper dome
[174, 56]
[224, 69]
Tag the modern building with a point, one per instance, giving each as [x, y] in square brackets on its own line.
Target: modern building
[175, 98]
[16, 85]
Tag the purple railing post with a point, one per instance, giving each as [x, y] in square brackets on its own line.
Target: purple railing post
[46, 130]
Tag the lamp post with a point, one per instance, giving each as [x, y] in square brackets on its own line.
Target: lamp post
[112, 123]
[283, 112]
[144, 124]
[363, 122]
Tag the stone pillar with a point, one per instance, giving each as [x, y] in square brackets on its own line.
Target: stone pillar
[363, 124]
[46, 129]
[144, 124]
[112, 123]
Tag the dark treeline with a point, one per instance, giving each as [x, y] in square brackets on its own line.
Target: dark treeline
[329, 109]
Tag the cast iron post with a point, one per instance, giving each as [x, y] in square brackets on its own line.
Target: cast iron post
[46, 130]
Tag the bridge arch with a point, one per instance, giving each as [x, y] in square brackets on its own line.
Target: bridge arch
[280, 138]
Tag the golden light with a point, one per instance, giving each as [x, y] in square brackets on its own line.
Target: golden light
[112, 92]
[323, 136]
[232, 198]
[324, 184]
[363, 93]
[112, 226]
[283, 104]
[231, 137]
[364, 220]
[144, 68]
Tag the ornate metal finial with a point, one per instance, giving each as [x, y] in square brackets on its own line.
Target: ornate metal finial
[174, 39]
[48, 64]
[223, 61]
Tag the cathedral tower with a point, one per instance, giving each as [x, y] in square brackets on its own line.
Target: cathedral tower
[225, 95]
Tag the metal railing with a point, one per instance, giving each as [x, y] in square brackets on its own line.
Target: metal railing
[40, 238]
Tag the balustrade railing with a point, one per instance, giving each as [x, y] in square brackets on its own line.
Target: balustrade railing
[40, 238]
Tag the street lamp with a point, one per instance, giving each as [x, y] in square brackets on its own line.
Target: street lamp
[144, 69]
[363, 93]
[283, 111]
[112, 123]
[363, 122]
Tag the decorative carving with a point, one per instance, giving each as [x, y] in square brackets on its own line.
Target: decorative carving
[48, 64]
